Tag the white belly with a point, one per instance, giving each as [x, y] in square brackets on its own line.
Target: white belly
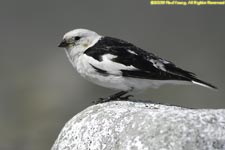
[109, 81]
[113, 81]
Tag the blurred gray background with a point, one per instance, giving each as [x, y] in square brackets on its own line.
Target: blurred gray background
[39, 89]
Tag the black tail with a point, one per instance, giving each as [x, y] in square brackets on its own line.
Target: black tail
[203, 83]
[189, 76]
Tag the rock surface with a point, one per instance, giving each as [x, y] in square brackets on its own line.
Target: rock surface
[123, 125]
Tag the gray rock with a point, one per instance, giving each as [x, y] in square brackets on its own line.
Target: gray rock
[123, 125]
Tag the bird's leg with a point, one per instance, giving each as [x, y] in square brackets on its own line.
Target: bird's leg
[112, 97]
[126, 97]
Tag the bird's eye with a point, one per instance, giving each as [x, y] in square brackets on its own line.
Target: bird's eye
[76, 38]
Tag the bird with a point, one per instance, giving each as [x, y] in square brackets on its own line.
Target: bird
[120, 65]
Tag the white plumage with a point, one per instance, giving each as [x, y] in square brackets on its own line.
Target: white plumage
[117, 64]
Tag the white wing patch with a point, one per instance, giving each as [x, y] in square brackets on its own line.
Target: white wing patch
[132, 52]
[108, 57]
[165, 62]
[157, 64]
[107, 64]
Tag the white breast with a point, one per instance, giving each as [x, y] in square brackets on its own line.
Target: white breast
[113, 81]
[88, 72]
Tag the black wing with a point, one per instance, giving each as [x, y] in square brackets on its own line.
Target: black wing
[148, 65]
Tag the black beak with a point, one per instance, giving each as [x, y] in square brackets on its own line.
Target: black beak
[63, 44]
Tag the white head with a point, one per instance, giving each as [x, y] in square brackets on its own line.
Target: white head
[78, 40]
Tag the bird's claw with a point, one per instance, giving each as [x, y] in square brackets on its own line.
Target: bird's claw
[126, 97]
[102, 100]
[111, 98]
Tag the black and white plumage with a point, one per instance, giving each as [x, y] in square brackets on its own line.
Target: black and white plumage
[117, 64]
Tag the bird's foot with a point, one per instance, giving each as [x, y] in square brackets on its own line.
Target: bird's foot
[126, 97]
[102, 100]
[116, 96]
